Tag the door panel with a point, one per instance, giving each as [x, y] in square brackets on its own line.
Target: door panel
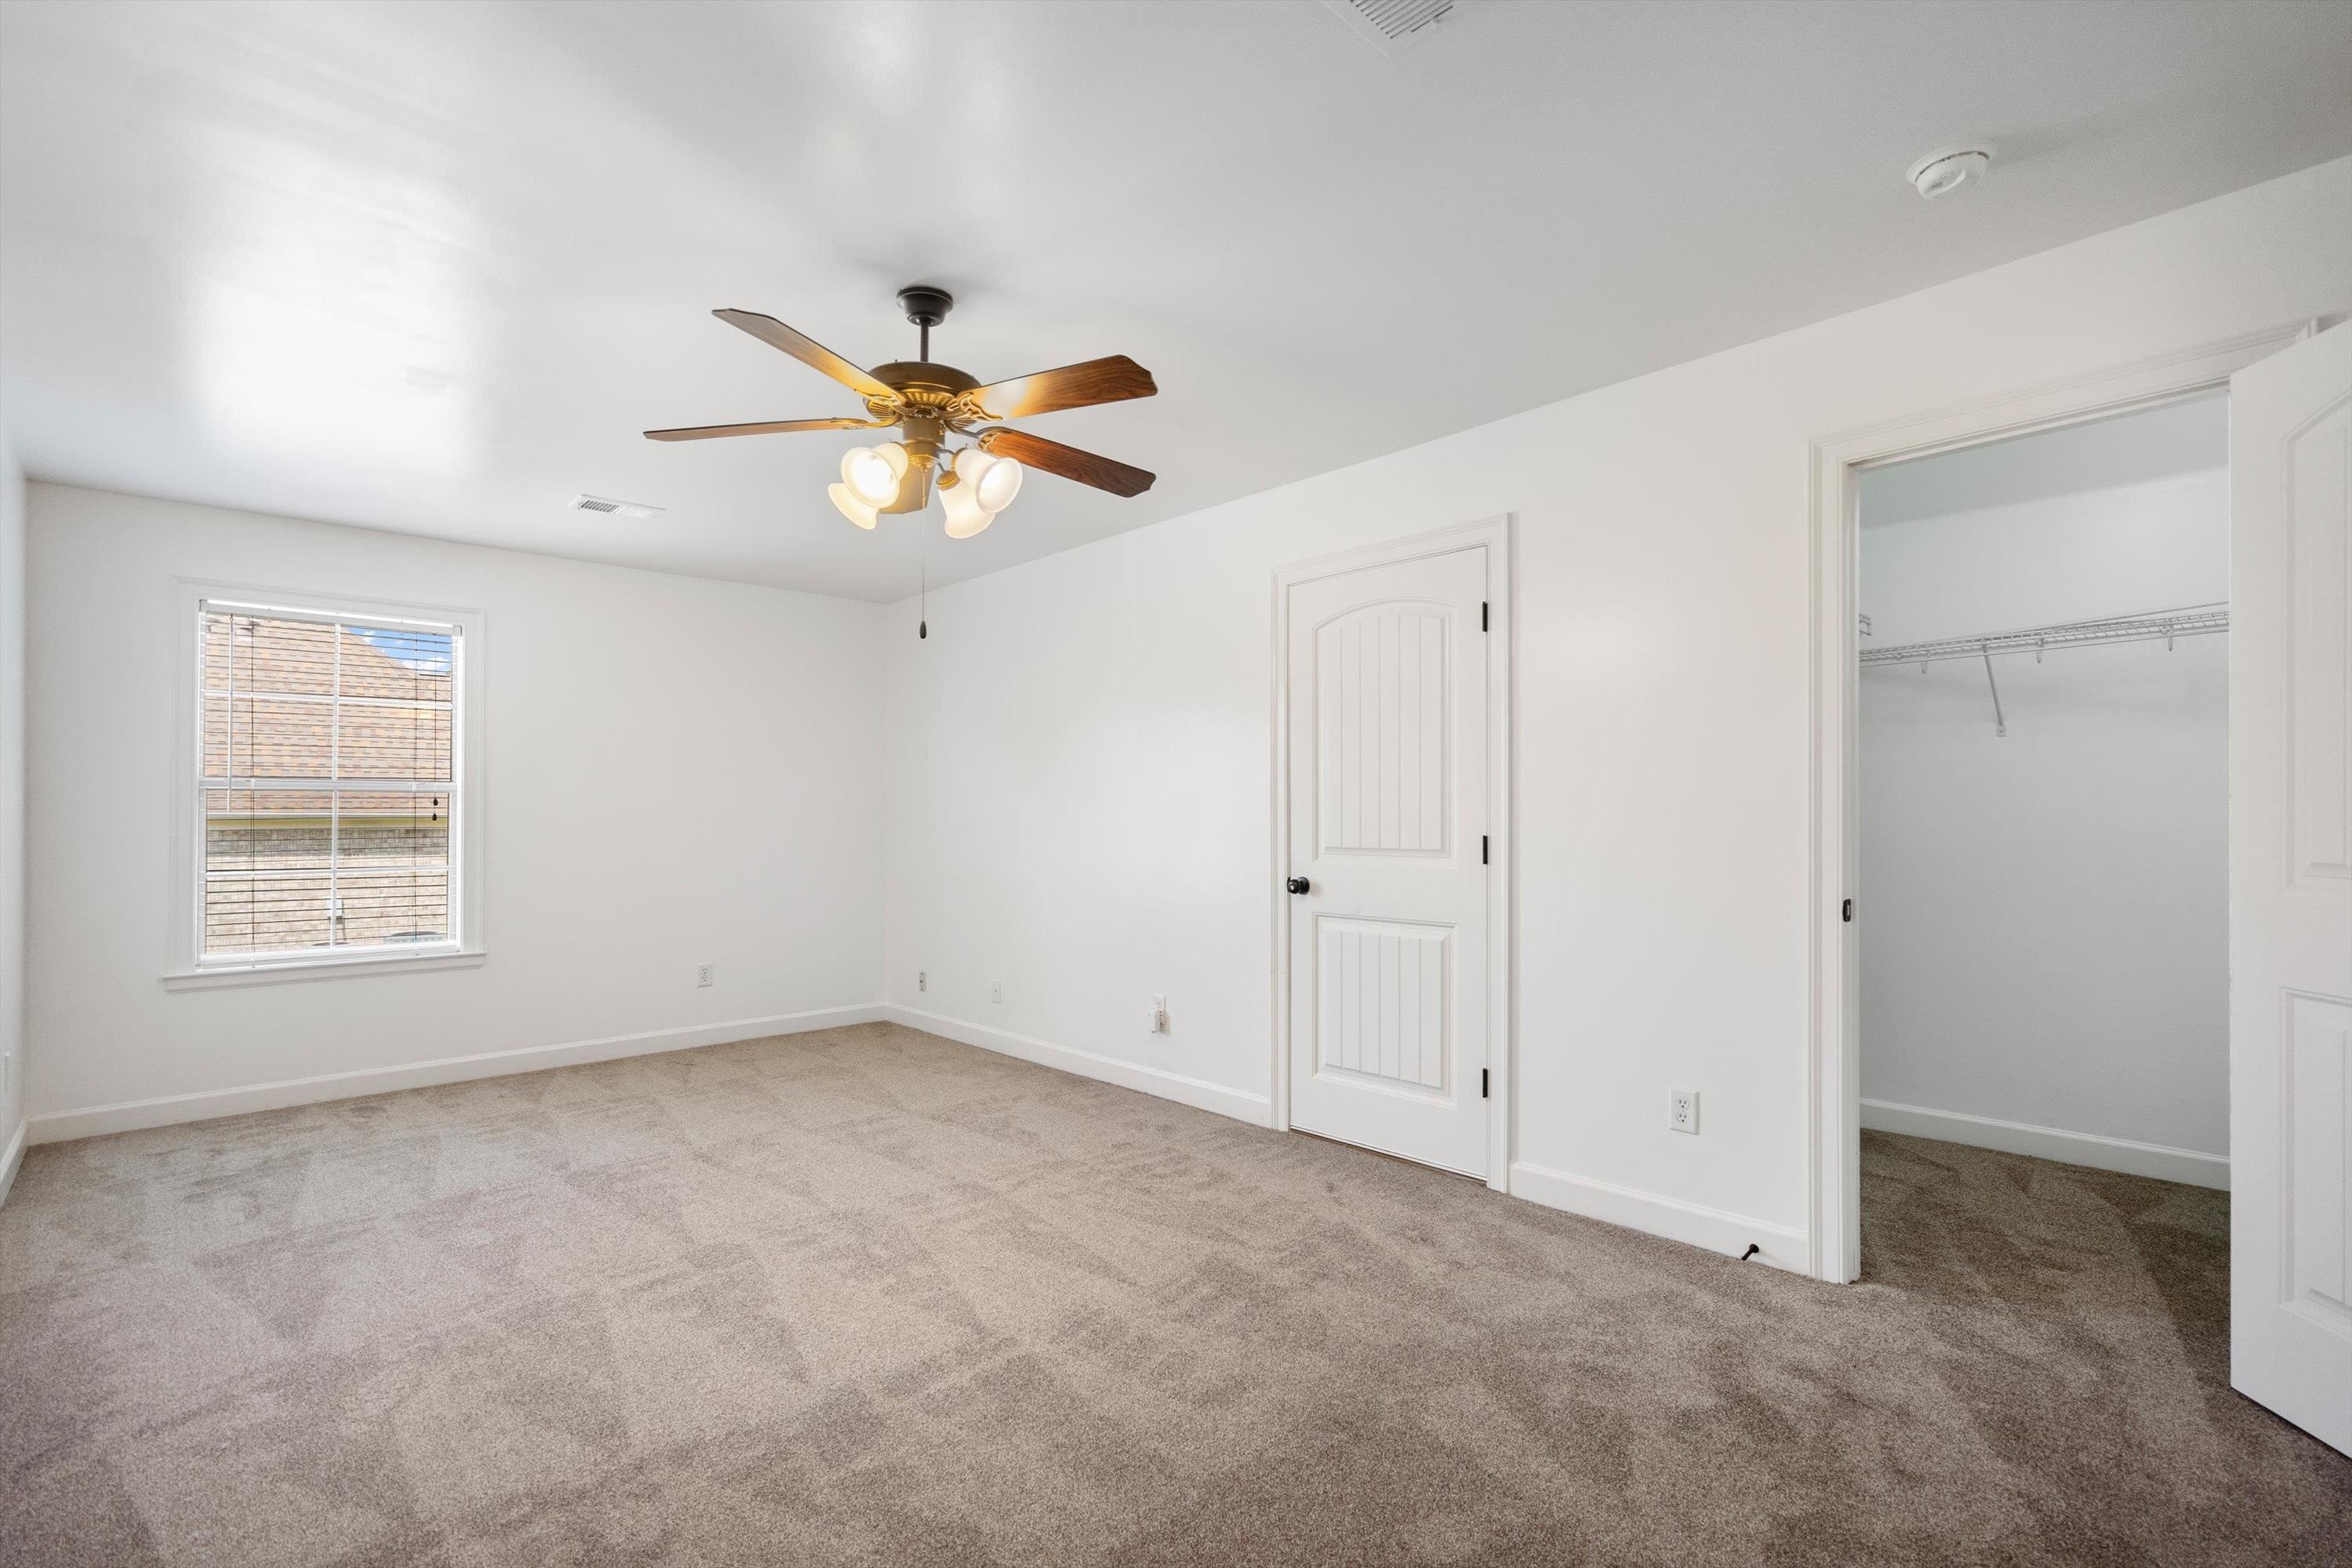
[1381, 730]
[2319, 459]
[1381, 1014]
[2291, 885]
[1386, 673]
[2318, 1276]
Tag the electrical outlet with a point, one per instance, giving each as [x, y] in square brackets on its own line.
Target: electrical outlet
[1159, 1016]
[922, 979]
[705, 972]
[1682, 1110]
[995, 990]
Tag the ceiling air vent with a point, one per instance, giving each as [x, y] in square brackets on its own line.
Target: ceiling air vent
[1391, 26]
[612, 509]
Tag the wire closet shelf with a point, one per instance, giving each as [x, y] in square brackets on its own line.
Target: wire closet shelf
[2168, 626]
[2155, 626]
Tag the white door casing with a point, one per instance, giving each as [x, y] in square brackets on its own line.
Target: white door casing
[2291, 884]
[1389, 763]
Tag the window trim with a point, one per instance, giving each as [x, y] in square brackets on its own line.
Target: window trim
[184, 966]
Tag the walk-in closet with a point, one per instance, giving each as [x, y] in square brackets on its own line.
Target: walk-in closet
[2043, 740]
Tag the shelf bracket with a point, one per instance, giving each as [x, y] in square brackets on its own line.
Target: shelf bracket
[1999, 723]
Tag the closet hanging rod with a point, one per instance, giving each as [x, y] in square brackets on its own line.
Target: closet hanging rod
[2155, 626]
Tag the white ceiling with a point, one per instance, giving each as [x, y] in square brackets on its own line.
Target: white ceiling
[433, 267]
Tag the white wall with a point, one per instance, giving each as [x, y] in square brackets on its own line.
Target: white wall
[676, 770]
[1079, 756]
[2044, 960]
[1949, 552]
[11, 813]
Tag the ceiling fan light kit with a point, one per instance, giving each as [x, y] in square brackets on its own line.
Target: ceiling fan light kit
[932, 405]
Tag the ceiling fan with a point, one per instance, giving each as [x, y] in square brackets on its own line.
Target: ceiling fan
[930, 403]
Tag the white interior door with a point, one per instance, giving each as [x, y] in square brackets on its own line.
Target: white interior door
[2291, 884]
[1388, 832]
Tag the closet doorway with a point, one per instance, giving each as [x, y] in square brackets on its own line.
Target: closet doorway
[2041, 782]
[2116, 696]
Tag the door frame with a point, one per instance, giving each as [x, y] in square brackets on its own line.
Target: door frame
[1833, 1087]
[1494, 534]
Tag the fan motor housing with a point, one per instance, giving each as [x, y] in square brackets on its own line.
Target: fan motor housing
[908, 377]
[920, 385]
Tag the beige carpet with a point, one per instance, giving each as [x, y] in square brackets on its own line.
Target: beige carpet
[871, 1297]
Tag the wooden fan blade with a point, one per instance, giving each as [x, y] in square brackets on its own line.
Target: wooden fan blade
[772, 427]
[1069, 462]
[807, 350]
[1112, 380]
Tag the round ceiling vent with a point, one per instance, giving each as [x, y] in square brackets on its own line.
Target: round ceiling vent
[1939, 173]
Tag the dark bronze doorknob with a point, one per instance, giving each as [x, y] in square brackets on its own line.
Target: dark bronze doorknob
[1298, 884]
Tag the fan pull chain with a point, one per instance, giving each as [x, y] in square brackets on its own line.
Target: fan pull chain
[923, 610]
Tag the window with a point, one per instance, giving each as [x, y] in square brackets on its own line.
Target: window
[327, 786]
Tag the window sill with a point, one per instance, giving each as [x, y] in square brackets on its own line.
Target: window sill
[217, 975]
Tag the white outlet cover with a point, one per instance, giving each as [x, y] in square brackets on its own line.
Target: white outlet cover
[1682, 1110]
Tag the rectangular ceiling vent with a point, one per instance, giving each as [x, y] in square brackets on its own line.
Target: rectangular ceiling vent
[1392, 26]
[631, 510]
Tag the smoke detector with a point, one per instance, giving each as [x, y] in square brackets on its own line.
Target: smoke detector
[637, 511]
[1941, 172]
[1390, 26]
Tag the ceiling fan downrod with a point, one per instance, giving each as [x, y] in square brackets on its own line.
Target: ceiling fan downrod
[925, 306]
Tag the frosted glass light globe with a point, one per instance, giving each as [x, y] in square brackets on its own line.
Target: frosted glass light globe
[999, 483]
[872, 473]
[966, 517]
[855, 510]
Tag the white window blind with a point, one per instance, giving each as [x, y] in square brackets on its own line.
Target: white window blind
[327, 784]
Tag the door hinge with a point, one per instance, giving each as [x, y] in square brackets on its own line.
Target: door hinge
[1481, 849]
[1482, 614]
[1482, 1082]
[1848, 911]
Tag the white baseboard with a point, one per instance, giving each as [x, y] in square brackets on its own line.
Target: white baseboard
[1255, 1109]
[12, 1159]
[133, 1114]
[1718, 1230]
[1713, 1230]
[2158, 1160]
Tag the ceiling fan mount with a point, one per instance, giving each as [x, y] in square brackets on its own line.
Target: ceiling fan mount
[925, 306]
[931, 403]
